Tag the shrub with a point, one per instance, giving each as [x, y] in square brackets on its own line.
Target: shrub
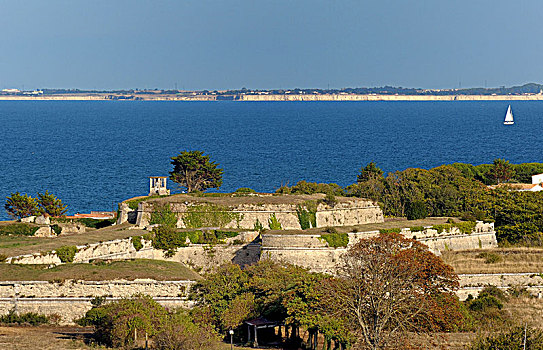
[390, 230]
[485, 302]
[307, 217]
[335, 239]
[169, 239]
[465, 227]
[3, 257]
[330, 199]
[245, 190]
[66, 254]
[18, 229]
[493, 291]
[519, 292]
[136, 242]
[96, 223]
[56, 229]
[30, 318]
[179, 332]
[416, 228]
[273, 223]
[116, 324]
[258, 226]
[490, 258]
[416, 210]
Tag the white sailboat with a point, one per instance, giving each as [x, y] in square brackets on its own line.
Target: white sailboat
[509, 117]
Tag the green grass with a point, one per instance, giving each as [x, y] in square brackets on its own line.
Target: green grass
[100, 271]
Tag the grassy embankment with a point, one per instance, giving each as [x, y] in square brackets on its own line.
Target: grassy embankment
[100, 271]
[498, 260]
[19, 245]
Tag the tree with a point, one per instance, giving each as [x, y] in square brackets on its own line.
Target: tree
[194, 171]
[21, 205]
[502, 171]
[389, 285]
[370, 172]
[49, 204]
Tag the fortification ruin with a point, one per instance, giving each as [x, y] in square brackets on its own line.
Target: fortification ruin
[249, 211]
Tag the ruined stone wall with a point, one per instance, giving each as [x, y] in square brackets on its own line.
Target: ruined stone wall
[313, 252]
[201, 257]
[352, 212]
[72, 299]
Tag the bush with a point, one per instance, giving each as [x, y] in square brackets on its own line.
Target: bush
[273, 223]
[416, 210]
[66, 254]
[96, 223]
[390, 230]
[30, 318]
[136, 242]
[19, 229]
[416, 228]
[485, 302]
[169, 239]
[335, 239]
[513, 338]
[330, 199]
[490, 258]
[116, 324]
[245, 190]
[56, 229]
[180, 333]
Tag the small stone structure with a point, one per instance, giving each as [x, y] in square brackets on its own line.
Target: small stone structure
[244, 212]
[157, 186]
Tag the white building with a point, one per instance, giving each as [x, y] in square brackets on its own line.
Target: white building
[537, 179]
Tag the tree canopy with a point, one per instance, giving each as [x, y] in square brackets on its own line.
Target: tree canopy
[390, 285]
[195, 171]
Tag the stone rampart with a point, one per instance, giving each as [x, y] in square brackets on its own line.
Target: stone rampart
[71, 299]
[245, 212]
[313, 252]
[201, 257]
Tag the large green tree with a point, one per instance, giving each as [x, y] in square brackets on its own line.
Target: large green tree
[390, 285]
[50, 204]
[21, 205]
[502, 171]
[194, 171]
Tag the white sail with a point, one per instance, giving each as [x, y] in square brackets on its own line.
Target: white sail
[509, 117]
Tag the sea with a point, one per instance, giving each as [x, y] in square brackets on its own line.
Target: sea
[95, 154]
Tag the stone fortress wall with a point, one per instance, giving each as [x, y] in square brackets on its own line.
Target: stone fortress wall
[313, 252]
[71, 299]
[248, 210]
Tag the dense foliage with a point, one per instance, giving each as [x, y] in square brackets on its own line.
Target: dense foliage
[418, 285]
[194, 171]
[66, 253]
[452, 190]
[126, 323]
[415, 290]
[22, 205]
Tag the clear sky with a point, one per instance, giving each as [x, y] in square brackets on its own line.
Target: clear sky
[200, 44]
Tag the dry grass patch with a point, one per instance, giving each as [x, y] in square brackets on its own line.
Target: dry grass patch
[498, 260]
[100, 271]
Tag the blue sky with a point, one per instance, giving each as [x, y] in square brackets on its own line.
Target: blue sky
[201, 44]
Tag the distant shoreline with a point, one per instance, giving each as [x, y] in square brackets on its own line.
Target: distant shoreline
[269, 97]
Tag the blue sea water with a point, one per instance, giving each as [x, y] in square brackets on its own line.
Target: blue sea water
[93, 154]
